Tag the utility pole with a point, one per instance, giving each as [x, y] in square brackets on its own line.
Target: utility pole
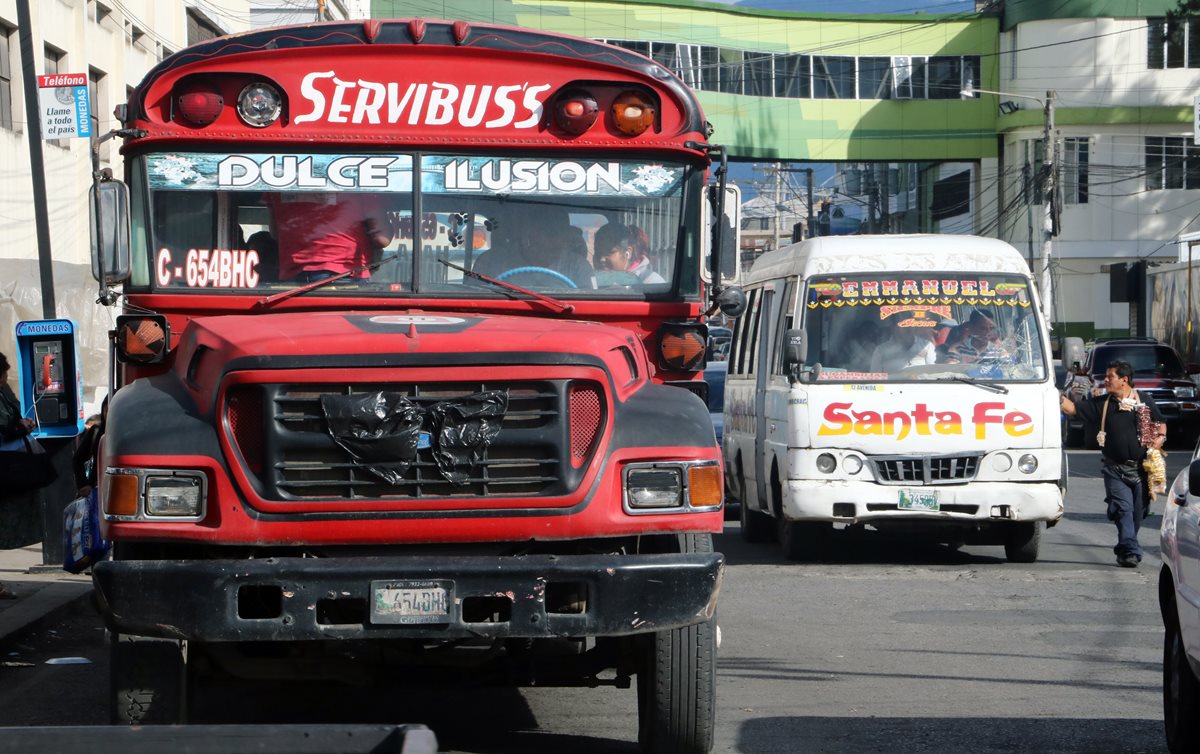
[37, 168]
[1048, 207]
[778, 182]
[810, 227]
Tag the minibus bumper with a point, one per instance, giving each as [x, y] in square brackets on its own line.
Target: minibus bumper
[864, 502]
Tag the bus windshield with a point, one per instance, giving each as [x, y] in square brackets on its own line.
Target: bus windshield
[567, 226]
[880, 327]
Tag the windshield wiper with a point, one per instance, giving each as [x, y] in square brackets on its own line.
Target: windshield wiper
[283, 295]
[989, 386]
[558, 305]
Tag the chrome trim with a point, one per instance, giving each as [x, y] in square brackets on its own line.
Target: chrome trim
[683, 467]
[142, 474]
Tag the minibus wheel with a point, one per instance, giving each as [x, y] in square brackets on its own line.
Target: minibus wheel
[1022, 541]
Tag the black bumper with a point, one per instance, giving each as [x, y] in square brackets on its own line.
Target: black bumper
[303, 599]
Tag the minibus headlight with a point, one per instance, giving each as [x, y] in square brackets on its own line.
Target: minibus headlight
[1027, 464]
[173, 496]
[852, 464]
[1002, 462]
[826, 463]
[654, 488]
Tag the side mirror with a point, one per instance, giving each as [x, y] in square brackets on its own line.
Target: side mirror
[795, 348]
[731, 234]
[1072, 352]
[109, 210]
[731, 301]
[1193, 477]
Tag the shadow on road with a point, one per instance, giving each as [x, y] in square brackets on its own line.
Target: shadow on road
[978, 735]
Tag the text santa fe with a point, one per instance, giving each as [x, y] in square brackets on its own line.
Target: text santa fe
[843, 419]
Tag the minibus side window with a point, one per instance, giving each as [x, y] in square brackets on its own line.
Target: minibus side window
[744, 331]
[753, 334]
[786, 317]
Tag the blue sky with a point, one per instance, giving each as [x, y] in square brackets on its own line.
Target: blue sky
[861, 6]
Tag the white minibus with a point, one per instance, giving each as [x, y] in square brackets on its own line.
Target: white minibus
[893, 382]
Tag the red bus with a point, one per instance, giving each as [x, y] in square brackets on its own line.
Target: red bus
[410, 351]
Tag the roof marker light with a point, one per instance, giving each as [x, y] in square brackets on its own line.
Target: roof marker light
[633, 113]
[575, 111]
[199, 107]
[259, 104]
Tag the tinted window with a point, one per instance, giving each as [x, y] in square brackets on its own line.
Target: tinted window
[716, 389]
[1147, 360]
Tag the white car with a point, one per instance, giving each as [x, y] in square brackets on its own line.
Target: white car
[1179, 601]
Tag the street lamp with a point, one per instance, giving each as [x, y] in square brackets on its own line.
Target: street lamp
[1047, 187]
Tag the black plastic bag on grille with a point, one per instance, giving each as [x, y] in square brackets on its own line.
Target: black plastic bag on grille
[380, 430]
[463, 428]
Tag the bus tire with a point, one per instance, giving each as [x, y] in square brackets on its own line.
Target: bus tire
[1022, 541]
[756, 525]
[676, 682]
[148, 681]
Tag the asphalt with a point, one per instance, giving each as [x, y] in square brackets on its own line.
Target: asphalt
[40, 589]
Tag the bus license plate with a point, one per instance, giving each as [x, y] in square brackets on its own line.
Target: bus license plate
[411, 601]
[919, 500]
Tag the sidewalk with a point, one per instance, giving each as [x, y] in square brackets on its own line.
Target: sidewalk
[38, 593]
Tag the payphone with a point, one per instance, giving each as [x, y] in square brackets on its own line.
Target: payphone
[50, 378]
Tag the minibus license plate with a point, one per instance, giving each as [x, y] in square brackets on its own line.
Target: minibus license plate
[919, 500]
[411, 601]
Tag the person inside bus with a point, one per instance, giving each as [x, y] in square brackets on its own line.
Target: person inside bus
[264, 244]
[541, 237]
[979, 342]
[909, 345]
[618, 253]
[322, 235]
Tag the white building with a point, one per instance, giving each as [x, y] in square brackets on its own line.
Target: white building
[1122, 95]
[114, 42]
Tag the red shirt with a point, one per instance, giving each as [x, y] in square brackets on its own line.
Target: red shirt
[323, 231]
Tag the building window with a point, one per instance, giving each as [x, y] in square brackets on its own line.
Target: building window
[1172, 44]
[54, 61]
[833, 77]
[875, 78]
[200, 29]
[731, 70]
[760, 74]
[6, 37]
[1075, 171]
[1172, 162]
[792, 76]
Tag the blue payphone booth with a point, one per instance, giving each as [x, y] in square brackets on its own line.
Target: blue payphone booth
[50, 377]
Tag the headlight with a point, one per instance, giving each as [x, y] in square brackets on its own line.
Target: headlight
[176, 496]
[1027, 464]
[673, 487]
[1185, 392]
[654, 488]
[1002, 462]
[259, 104]
[852, 464]
[826, 463]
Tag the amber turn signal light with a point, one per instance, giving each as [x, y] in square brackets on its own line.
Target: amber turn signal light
[704, 486]
[142, 339]
[121, 494]
[633, 113]
[681, 346]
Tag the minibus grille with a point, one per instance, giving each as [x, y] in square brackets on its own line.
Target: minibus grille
[530, 457]
[949, 469]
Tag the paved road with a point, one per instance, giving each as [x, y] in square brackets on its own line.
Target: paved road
[893, 648]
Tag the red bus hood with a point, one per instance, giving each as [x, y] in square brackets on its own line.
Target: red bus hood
[300, 334]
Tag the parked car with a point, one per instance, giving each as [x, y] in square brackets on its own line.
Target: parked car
[714, 375]
[1157, 372]
[1179, 604]
[719, 339]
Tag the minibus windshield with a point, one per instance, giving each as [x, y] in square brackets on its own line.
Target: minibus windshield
[884, 327]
